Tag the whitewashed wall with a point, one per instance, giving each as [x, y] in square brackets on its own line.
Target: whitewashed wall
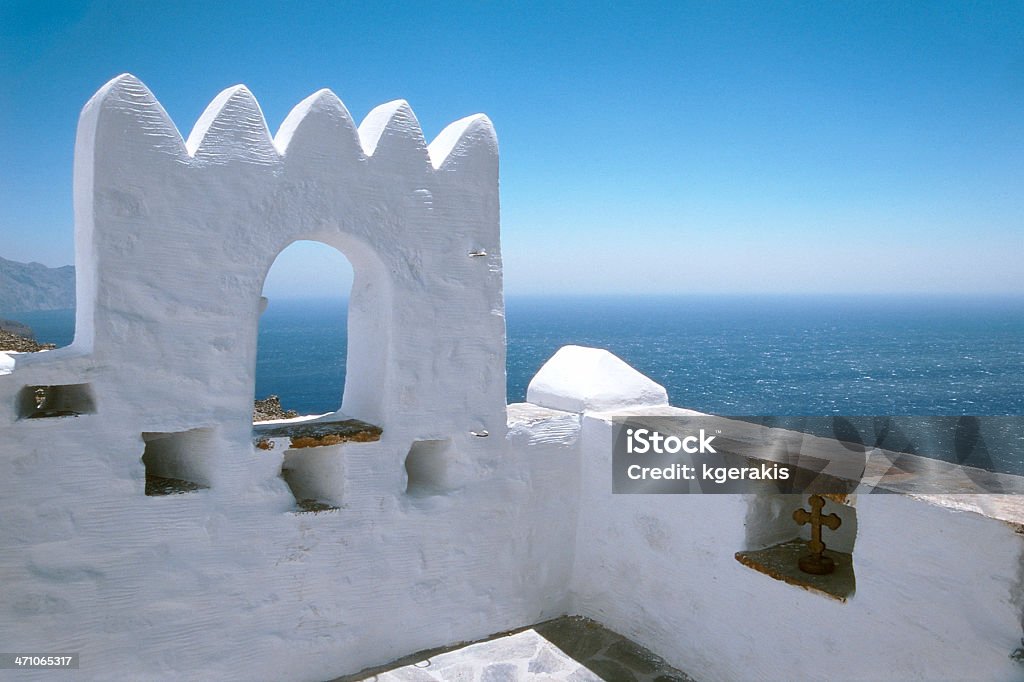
[938, 589]
[174, 239]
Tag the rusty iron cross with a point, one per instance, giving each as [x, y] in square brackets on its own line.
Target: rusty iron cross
[816, 562]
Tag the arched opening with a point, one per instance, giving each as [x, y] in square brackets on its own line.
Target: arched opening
[303, 332]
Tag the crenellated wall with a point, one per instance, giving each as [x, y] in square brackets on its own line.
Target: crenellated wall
[465, 518]
[174, 239]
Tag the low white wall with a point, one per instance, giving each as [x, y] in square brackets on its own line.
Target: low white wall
[227, 585]
[938, 592]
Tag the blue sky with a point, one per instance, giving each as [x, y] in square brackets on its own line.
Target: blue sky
[646, 148]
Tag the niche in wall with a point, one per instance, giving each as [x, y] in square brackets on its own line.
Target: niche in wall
[775, 542]
[315, 475]
[66, 400]
[178, 462]
[429, 467]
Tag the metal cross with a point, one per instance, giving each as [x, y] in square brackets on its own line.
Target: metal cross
[816, 562]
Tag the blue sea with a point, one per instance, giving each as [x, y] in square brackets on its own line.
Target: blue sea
[724, 355]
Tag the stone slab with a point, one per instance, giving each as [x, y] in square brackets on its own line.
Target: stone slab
[569, 648]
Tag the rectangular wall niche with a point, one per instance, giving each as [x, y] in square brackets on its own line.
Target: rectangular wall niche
[429, 467]
[178, 462]
[67, 400]
[316, 477]
[775, 542]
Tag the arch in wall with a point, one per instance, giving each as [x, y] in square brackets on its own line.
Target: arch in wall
[302, 345]
[368, 324]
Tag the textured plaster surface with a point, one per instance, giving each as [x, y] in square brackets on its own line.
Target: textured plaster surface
[228, 582]
[513, 521]
[930, 603]
[579, 379]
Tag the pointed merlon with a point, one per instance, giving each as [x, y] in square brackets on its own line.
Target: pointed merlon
[391, 125]
[232, 128]
[319, 124]
[470, 135]
[125, 109]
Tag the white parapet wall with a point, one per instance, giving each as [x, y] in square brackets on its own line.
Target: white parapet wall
[938, 590]
[467, 517]
[174, 238]
[939, 580]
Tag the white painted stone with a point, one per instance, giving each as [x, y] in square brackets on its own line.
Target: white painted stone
[173, 242]
[525, 656]
[580, 379]
[930, 603]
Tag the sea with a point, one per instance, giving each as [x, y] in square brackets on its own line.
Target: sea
[727, 355]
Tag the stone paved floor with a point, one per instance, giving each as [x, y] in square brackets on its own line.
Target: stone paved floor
[570, 648]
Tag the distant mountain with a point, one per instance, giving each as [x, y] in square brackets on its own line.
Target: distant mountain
[25, 287]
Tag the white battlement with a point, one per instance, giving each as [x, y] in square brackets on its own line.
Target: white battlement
[452, 515]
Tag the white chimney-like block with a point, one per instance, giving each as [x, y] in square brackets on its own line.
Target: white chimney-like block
[580, 379]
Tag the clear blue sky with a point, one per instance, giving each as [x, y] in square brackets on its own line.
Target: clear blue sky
[670, 147]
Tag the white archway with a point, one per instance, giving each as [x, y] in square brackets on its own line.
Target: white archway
[303, 329]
